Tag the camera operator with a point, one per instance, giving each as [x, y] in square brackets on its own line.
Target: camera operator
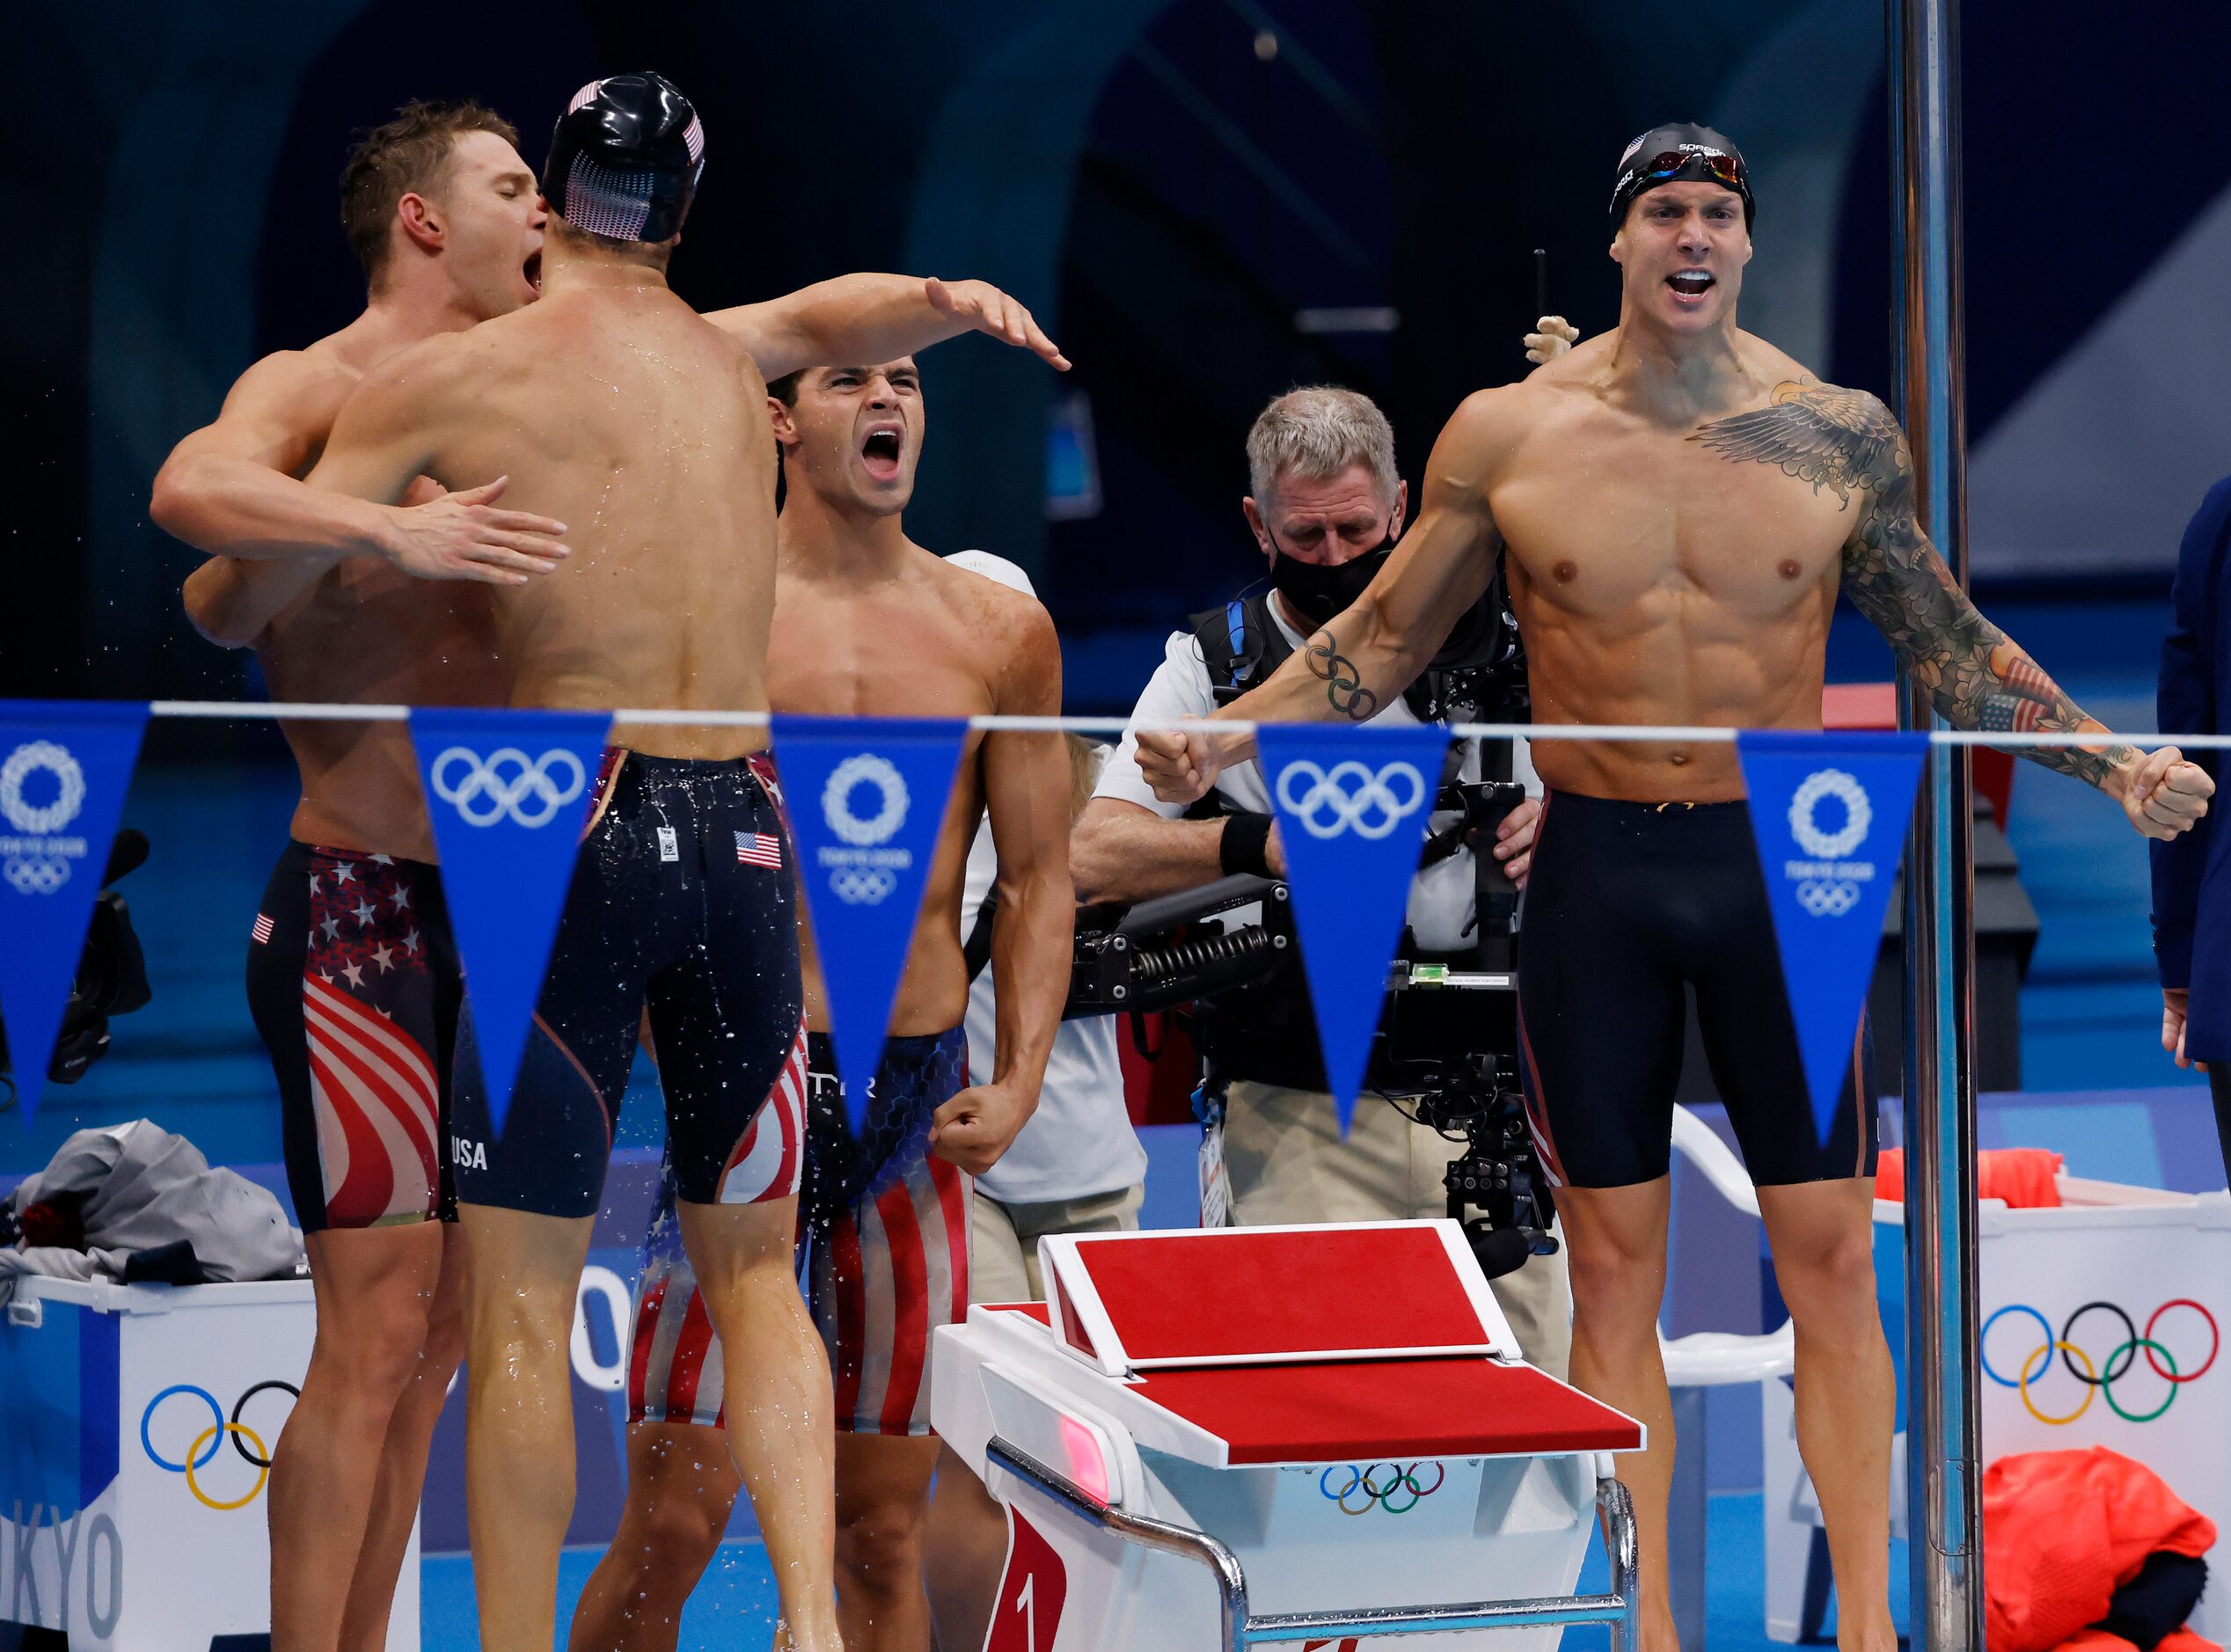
[1326, 504]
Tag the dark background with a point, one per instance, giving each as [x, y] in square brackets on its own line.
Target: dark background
[1168, 184]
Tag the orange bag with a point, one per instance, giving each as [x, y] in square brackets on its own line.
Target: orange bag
[2022, 1176]
[2062, 1530]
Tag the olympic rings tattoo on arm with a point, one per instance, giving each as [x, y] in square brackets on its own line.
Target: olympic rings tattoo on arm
[1343, 683]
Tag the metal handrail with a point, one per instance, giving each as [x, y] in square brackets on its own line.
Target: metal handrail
[1614, 1511]
[1232, 1582]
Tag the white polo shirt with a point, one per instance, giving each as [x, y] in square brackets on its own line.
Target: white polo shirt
[1442, 897]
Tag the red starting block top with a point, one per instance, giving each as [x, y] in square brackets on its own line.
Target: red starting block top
[1464, 1406]
[1129, 1302]
[1332, 1412]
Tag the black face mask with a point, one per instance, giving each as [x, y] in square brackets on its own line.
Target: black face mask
[1319, 593]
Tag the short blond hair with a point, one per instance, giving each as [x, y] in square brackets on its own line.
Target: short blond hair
[1318, 432]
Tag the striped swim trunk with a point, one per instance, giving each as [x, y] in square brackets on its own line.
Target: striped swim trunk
[674, 1371]
[882, 1255]
[354, 985]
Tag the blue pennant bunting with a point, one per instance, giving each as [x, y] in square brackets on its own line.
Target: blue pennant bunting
[868, 795]
[1830, 813]
[64, 768]
[1353, 807]
[507, 792]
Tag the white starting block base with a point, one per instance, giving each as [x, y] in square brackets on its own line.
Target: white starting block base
[105, 1384]
[1228, 1485]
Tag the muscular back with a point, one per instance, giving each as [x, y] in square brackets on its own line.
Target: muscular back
[1660, 573]
[616, 410]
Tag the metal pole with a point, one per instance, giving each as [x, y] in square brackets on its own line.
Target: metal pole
[1944, 1478]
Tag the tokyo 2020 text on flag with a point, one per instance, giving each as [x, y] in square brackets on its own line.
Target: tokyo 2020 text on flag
[64, 768]
[1352, 806]
[507, 792]
[866, 796]
[1830, 813]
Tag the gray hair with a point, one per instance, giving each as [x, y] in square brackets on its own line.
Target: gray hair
[1317, 432]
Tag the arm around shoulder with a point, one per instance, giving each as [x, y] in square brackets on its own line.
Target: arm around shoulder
[231, 488]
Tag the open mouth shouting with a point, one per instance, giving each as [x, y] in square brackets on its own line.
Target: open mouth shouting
[1690, 286]
[530, 267]
[880, 449]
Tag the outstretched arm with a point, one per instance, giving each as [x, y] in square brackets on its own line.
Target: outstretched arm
[1371, 651]
[1976, 675]
[1025, 789]
[863, 320]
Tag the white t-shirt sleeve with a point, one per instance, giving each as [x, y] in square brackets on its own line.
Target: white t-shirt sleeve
[1179, 688]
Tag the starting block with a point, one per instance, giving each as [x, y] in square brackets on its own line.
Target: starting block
[1227, 1438]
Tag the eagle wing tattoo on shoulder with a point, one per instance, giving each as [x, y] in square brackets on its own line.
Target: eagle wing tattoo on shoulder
[1842, 440]
[1846, 441]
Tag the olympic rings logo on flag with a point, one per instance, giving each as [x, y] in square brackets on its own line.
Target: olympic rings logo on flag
[1401, 1484]
[1356, 798]
[863, 886]
[2099, 1380]
[37, 874]
[508, 784]
[1827, 898]
[205, 1445]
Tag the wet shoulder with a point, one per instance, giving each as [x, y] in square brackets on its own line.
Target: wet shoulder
[1005, 621]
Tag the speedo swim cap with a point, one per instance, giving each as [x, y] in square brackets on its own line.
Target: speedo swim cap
[1679, 153]
[626, 158]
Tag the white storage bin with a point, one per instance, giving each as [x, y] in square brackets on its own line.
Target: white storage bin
[132, 1506]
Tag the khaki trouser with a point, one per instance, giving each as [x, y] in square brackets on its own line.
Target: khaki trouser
[1287, 1163]
[1003, 1238]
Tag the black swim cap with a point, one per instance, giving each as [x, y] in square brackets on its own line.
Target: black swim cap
[1679, 153]
[625, 159]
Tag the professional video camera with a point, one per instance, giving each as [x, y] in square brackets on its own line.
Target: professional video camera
[1446, 1050]
[111, 975]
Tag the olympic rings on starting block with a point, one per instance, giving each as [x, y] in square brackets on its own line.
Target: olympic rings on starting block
[1404, 1479]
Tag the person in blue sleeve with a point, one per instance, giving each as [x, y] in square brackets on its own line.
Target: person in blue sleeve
[2192, 873]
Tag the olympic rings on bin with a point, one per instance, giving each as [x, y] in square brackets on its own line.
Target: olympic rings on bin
[2090, 1393]
[2129, 1349]
[210, 1441]
[2143, 1416]
[2215, 1340]
[209, 1434]
[147, 1444]
[2117, 1365]
[241, 1404]
[1404, 1479]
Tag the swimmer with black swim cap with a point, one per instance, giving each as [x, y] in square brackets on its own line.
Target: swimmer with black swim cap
[625, 159]
[669, 606]
[1679, 153]
[1678, 506]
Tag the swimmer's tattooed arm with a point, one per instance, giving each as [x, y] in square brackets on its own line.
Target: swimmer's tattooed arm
[1846, 441]
[1344, 683]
